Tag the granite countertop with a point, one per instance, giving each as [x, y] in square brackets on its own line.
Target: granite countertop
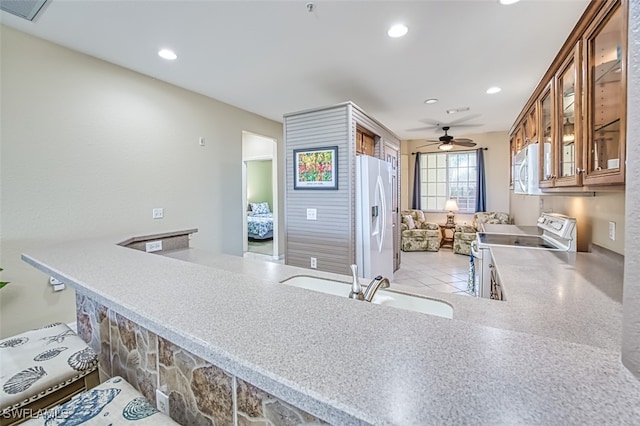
[350, 362]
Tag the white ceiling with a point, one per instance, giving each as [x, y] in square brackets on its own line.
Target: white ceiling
[275, 57]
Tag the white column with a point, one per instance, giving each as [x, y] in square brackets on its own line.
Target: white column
[631, 298]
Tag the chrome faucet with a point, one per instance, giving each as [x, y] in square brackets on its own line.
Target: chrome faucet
[374, 285]
[356, 288]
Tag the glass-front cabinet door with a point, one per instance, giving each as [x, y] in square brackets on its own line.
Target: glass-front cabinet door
[568, 122]
[547, 140]
[531, 126]
[605, 89]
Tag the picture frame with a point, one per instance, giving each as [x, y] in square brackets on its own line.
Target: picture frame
[315, 168]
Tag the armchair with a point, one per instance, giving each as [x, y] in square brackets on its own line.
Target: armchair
[465, 234]
[417, 233]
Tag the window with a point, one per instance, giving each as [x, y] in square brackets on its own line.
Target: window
[448, 175]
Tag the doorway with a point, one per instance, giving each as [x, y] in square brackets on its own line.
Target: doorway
[260, 193]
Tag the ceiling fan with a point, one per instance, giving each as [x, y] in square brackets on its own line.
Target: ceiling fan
[447, 142]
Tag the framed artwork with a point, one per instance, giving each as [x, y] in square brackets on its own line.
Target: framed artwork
[315, 168]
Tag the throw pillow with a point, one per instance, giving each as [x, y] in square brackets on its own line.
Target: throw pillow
[409, 221]
[260, 208]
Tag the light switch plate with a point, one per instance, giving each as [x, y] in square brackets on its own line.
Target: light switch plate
[612, 231]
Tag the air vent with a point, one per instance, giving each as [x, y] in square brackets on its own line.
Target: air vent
[27, 9]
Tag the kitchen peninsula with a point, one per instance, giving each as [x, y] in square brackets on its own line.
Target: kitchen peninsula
[549, 354]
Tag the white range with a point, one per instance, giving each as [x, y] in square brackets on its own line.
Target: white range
[558, 233]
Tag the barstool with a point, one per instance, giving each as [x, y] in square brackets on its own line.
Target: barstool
[114, 402]
[43, 368]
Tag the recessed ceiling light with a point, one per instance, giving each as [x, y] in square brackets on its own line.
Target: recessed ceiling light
[397, 30]
[508, 2]
[493, 90]
[167, 54]
[431, 101]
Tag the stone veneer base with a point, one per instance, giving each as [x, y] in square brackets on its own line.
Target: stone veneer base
[200, 393]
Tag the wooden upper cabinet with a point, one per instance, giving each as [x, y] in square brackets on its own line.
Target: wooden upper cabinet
[365, 143]
[605, 54]
[519, 138]
[568, 121]
[578, 111]
[512, 158]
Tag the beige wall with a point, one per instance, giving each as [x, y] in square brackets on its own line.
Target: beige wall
[496, 164]
[89, 149]
[259, 187]
[593, 215]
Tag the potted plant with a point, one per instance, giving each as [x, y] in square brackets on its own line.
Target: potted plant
[3, 283]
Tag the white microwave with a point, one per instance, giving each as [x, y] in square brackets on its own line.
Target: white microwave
[526, 177]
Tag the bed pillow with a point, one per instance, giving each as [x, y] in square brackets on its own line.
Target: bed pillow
[260, 208]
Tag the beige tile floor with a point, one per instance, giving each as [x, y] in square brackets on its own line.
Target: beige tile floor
[441, 271]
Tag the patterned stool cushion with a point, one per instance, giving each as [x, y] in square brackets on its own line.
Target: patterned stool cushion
[114, 402]
[39, 362]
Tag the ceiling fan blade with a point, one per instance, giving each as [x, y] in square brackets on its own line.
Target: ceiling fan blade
[466, 143]
[463, 140]
[457, 126]
[462, 119]
[429, 144]
[431, 122]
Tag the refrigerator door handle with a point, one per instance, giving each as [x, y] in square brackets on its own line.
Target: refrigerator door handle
[383, 217]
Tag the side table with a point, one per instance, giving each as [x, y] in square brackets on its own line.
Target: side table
[447, 241]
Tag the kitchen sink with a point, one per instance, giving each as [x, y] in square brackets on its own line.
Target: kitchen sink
[382, 297]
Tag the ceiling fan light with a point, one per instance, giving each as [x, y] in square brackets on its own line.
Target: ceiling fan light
[445, 147]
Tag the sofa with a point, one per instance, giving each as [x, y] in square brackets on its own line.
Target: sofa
[464, 235]
[418, 234]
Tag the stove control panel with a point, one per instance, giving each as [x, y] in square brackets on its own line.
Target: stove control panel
[559, 225]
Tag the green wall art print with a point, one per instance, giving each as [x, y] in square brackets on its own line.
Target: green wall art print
[315, 168]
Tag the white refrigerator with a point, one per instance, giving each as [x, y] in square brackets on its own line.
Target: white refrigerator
[374, 232]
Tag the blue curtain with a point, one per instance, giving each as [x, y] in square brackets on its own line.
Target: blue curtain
[481, 189]
[416, 184]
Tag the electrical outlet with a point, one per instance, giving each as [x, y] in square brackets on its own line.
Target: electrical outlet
[153, 246]
[612, 231]
[314, 263]
[162, 402]
[312, 214]
[158, 213]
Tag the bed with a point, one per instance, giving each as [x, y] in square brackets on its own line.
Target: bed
[259, 221]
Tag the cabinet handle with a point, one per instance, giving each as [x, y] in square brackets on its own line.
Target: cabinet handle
[579, 170]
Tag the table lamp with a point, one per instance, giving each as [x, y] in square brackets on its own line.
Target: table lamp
[452, 206]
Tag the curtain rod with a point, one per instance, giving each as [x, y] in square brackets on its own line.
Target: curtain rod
[433, 152]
